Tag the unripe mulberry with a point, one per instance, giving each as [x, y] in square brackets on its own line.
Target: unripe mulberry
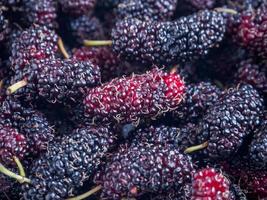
[68, 163]
[147, 168]
[186, 39]
[127, 100]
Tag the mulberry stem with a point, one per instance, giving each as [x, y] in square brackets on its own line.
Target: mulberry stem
[196, 148]
[13, 175]
[97, 42]
[20, 166]
[13, 88]
[62, 49]
[226, 10]
[87, 194]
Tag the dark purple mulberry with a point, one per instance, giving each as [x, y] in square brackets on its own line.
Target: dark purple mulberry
[186, 39]
[68, 164]
[4, 26]
[77, 7]
[146, 168]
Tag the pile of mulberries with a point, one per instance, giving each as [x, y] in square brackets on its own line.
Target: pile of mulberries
[133, 99]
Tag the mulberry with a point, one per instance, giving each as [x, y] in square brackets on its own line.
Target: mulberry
[35, 43]
[157, 10]
[77, 7]
[186, 39]
[229, 121]
[140, 169]
[62, 81]
[127, 100]
[68, 164]
[4, 26]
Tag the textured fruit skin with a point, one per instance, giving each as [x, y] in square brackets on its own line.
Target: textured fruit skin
[251, 31]
[77, 7]
[209, 184]
[253, 74]
[86, 27]
[111, 66]
[258, 147]
[201, 4]
[4, 26]
[41, 12]
[146, 168]
[12, 144]
[157, 10]
[229, 121]
[57, 81]
[185, 39]
[130, 99]
[68, 164]
[35, 43]
[199, 97]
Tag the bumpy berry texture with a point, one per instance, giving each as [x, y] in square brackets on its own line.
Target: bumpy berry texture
[62, 81]
[111, 66]
[258, 147]
[12, 144]
[35, 43]
[229, 121]
[209, 184]
[187, 38]
[201, 4]
[199, 97]
[86, 27]
[68, 163]
[140, 169]
[251, 31]
[130, 99]
[254, 74]
[4, 26]
[41, 12]
[157, 10]
[77, 7]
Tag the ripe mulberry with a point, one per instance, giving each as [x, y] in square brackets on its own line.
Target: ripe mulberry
[77, 7]
[4, 26]
[62, 81]
[157, 10]
[141, 169]
[68, 164]
[229, 121]
[41, 12]
[35, 43]
[185, 39]
[209, 184]
[127, 100]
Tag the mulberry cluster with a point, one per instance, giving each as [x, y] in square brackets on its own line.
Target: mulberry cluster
[56, 80]
[185, 39]
[229, 121]
[157, 10]
[140, 169]
[77, 7]
[68, 163]
[41, 12]
[127, 100]
[35, 43]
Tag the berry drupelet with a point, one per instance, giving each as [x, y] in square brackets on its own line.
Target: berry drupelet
[55, 80]
[254, 74]
[209, 184]
[4, 26]
[131, 99]
[258, 147]
[41, 12]
[185, 39]
[35, 43]
[86, 27]
[12, 144]
[156, 10]
[68, 164]
[77, 7]
[199, 97]
[227, 123]
[146, 168]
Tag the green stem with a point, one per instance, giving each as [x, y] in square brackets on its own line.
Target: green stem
[62, 49]
[196, 148]
[87, 194]
[13, 175]
[13, 88]
[226, 10]
[90, 43]
[20, 166]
